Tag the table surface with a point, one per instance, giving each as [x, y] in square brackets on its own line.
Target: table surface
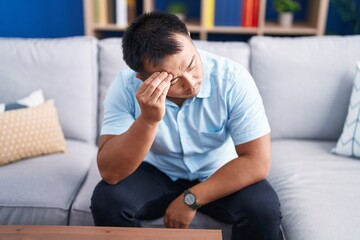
[39, 232]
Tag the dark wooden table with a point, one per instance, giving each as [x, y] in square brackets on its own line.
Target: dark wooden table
[31, 232]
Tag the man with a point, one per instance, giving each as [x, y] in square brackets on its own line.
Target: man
[183, 131]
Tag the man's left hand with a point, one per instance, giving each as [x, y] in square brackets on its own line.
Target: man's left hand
[178, 214]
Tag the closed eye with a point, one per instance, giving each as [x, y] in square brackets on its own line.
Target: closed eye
[190, 69]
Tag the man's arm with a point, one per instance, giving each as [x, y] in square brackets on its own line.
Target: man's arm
[120, 155]
[252, 165]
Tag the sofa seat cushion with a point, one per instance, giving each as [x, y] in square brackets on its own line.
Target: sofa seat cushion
[319, 191]
[42, 189]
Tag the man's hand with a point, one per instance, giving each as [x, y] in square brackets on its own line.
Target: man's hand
[178, 214]
[151, 96]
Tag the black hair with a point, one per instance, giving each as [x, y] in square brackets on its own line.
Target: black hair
[150, 38]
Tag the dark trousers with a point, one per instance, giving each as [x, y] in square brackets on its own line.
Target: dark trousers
[254, 211]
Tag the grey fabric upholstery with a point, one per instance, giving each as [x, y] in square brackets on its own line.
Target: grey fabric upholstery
[319, 192]
[305, 83]
[41, 190]
[80, 210]
[66, 71]
[110, 63]
[236, 51]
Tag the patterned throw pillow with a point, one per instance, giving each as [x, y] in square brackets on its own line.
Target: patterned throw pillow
[29, 132]
[349, 141]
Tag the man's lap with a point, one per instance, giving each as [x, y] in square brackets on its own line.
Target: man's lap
[147, 193]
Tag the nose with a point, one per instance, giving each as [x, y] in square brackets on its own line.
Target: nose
[188, 82]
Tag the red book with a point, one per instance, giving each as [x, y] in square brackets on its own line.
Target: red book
[247, 16]
[255, 21]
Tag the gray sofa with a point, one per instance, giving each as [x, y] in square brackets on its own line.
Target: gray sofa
[305, 83]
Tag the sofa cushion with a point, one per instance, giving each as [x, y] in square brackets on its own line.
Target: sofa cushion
[349, 141]
[111, 60]
[305, 83]
[29, 132]
[41, 190]
[80, 209]
[236, 51]
[318, 191]
[110, 63]
[66, 71]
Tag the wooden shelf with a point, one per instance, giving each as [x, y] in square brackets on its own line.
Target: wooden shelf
[316, 14]
[108, 27]
[297, 29]
[231, 30]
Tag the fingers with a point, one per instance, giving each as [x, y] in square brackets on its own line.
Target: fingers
[156, 86]
[146, 81]
[174, 224]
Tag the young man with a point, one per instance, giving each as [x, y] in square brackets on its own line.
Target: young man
[183, 131]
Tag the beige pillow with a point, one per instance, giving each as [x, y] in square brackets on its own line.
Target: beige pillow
[30, 132]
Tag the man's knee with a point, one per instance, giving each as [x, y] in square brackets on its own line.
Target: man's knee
[261, 215]
[110, 207]
[264, 212]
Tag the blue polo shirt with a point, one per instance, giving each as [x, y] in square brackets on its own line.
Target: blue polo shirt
[193, 141]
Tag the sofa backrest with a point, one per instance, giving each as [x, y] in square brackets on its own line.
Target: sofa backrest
[110, 64]
[111, 60]
[65, 69]
[305, 83]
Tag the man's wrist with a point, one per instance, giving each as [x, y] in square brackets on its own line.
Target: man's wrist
[190, 200]
[145, 122]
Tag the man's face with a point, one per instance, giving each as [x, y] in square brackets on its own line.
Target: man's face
[185, 67]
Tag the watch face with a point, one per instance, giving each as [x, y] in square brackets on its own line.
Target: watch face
[189, 199]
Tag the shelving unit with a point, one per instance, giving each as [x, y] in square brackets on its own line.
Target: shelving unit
[314, 24]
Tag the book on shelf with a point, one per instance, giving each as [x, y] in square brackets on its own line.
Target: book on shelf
[118, 12]
[121, 13]
[250, 13]
[228, 13]
[209, 13]
[101, 11]
[125, 12]
[131, 9]
[255, 20]
[236, 13]
[111, 12]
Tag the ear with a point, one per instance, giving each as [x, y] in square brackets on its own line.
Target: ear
[141, 77]
[189, 34]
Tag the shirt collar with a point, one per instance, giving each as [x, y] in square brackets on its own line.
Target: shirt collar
[205, 88]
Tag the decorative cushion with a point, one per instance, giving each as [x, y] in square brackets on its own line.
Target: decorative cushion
[29, 132]
[349, 141]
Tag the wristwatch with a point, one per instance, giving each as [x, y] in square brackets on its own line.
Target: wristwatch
[190, 199]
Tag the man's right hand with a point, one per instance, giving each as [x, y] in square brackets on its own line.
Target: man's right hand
[120, 155]
[151, 97]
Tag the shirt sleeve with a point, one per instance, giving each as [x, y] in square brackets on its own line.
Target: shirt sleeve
[119, 108]
[247, 118]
